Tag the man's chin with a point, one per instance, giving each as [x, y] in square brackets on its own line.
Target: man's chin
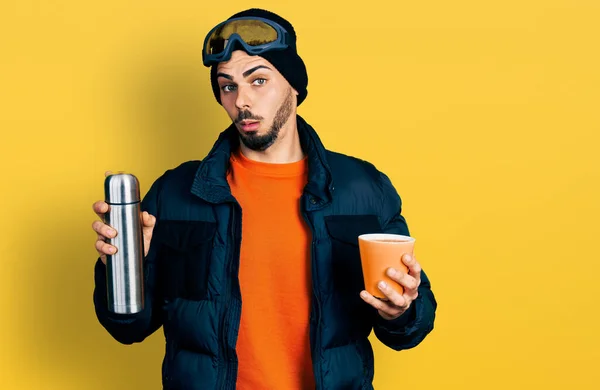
[248, 133]
[256, 142]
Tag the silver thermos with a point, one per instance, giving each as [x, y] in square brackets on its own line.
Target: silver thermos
[124, 269]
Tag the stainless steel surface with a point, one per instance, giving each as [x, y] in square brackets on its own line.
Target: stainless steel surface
[124, 271]
[122, 188]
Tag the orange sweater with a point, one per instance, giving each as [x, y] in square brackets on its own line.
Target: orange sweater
[273, 343]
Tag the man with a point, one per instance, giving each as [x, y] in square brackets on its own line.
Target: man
[251, 256]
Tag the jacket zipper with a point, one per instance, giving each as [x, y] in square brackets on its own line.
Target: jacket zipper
[227, 373]
[318, 373]
[224, 373]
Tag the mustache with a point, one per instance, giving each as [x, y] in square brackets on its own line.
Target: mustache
[245, 115]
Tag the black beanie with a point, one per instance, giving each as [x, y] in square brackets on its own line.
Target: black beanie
[287, 61]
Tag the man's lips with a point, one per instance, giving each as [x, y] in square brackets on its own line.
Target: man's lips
[249, 125]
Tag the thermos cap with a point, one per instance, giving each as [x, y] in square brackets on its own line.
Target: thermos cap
[121, 188]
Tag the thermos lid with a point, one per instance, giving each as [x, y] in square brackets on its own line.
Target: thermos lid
[121, 188]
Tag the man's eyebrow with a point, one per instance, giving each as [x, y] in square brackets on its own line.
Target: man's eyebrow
[250, 71]
[245, 74]
[228, 77]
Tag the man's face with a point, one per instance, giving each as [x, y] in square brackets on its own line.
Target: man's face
[258, 99]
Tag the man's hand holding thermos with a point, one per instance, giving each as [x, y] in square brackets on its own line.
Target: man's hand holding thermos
[124, 235]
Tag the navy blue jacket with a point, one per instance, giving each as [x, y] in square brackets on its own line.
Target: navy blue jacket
[191, 271]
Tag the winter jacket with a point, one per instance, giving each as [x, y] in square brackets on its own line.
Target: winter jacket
[191, 270]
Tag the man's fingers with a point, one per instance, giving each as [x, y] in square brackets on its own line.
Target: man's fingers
[405, 280]
[105, 249]
[148, 219]
[414, 268]
[371, 300]
[393, 296]
[386, 309]
[148, 222]
[103, 229]
[100, 208]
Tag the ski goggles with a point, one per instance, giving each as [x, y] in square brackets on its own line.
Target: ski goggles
[255, 35]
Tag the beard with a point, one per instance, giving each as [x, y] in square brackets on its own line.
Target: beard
[262, 142]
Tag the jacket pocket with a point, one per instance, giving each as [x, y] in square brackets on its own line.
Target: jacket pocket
[184, 258]
[346, 266]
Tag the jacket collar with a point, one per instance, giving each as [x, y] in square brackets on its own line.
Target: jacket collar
[210, 182]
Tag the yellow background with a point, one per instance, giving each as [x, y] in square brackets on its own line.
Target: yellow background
[483, 113]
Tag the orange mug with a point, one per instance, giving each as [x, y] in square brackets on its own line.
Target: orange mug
[378, 252]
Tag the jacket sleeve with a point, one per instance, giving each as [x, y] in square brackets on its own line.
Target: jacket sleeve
[408, 330]
[132, 328]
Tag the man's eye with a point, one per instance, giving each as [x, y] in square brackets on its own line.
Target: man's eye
[228, 88]
[260, 81]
